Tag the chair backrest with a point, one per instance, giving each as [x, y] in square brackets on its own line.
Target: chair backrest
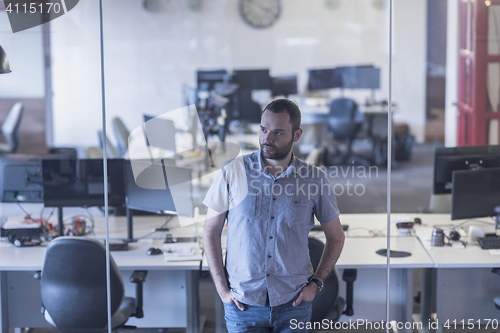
[121, 135]
[10, 126]
[110, 149]
[73, 284]
[326, 300]
[344, 119]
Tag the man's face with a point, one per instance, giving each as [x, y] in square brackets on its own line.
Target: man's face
[276, 137]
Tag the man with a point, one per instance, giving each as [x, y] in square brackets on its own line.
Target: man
[269, 199]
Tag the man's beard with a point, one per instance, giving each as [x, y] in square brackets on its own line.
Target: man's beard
[277, 153]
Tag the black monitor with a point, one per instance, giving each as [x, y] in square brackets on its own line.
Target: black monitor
[80, 183]
[252, 79]
[321, 79]
[149, 190]
[284, 85]
[447, 160]
[206, 79]
[475, 194]
[21, 176]
[359, 77]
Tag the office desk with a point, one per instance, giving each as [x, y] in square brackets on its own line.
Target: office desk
[461, 284]
[170, 290]
[370, 286]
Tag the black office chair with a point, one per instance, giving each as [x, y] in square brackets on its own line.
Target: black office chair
[496, 300]
[328, 303]
[344, 122]
[73, 287]
[121, 135]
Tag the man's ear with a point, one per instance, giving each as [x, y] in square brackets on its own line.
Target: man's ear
[297, 134]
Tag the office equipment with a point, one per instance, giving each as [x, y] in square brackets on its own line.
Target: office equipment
[121, 135]
[284, 85]
[489, 242]
[393, 253]
[151, 190]
[345, 122]
[252, 79]
[80, 183]
[21, 176]
[154, 251]
[74, 296]
[475, 193]
[447, 160]
[159, 133]
[358, 77]
[170, 294]
[22, 231]
[320, 79]
[206, 79]
[10, 129]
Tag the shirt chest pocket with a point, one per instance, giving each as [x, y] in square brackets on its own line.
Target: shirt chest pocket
[299, 210]
[247, 204]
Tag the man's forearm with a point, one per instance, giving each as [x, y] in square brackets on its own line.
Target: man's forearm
[331, 253]
[333, 247]
[213, 251]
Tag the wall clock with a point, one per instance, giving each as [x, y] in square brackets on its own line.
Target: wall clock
[260, 13]
[332, 4]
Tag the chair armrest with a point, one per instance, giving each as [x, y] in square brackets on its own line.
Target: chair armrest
[138, 276]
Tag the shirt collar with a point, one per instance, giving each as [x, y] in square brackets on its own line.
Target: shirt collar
[292, 167]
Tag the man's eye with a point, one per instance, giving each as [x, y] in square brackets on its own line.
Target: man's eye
[277, 133]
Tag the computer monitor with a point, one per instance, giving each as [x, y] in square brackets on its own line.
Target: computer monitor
[151, 192]
[475, 194]
[447, 160]
[359, 77]
[252, 79]
[21, 177]
[80, 183]
[159, 133]
[284, 85]
[321, 79]
[206, 79]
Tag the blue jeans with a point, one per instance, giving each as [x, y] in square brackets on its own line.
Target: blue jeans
[255, 319]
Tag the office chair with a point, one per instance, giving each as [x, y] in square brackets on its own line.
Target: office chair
[10, 129]
[344, 122]
[121, 135]
[73, 287]
[496, 300]
[111, 150]
[328, 303]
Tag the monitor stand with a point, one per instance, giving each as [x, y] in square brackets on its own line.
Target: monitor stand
[60, 224]
[130, 225]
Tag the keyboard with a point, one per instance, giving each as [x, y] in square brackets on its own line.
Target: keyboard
[489, 242]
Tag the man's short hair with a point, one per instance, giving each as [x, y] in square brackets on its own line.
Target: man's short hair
[284, 105]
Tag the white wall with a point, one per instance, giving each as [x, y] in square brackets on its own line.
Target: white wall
[149, 56]
[25, 52]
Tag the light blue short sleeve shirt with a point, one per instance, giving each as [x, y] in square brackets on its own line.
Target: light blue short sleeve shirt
[268, 222]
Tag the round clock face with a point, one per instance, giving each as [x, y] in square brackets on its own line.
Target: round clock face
[332, 4]
[260, 13]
